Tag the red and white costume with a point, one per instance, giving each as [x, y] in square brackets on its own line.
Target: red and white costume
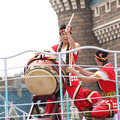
[74, 80]
[107, 84]
[76, 91]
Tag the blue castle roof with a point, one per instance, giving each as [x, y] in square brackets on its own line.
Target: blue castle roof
[13, 97]
[92, 2]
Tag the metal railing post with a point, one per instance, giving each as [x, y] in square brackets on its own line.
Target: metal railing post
[61, 94]
[6, 90]
[67, 98]
[116, 77]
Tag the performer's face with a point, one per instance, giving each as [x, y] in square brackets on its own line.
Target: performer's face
[64, 37]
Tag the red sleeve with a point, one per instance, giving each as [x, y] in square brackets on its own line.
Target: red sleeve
[55, 47]
[75, 56]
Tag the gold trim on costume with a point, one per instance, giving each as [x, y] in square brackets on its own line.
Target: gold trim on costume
[65, 47]
[89, 95]
[76, 91]
[109, 94]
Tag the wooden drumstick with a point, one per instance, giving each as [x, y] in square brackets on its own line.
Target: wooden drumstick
[68, 80]
[71, 19]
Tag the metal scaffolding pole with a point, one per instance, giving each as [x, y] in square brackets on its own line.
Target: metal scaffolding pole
[6, 90]
[116, 77]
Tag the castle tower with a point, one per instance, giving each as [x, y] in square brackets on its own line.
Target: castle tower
[95, 23]
[106, 24]
[81, 25]
[81, 29]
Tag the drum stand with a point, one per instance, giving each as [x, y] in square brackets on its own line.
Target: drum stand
[53, 97]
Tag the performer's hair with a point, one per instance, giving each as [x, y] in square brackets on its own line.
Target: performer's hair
[102, 56]
[64, 27]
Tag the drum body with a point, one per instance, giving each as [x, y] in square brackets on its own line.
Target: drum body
[42, 77]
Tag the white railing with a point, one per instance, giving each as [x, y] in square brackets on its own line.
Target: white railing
[7, 103]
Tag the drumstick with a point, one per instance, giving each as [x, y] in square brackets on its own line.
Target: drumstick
[71, 19]
[71, 57]
[69, 25]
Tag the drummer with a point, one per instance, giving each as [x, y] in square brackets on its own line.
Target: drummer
[74, 89]
[105, 77]
[67, 43]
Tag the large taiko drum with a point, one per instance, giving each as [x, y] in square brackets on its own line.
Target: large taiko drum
[42, 75]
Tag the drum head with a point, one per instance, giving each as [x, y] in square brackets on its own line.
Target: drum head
[41, 82]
